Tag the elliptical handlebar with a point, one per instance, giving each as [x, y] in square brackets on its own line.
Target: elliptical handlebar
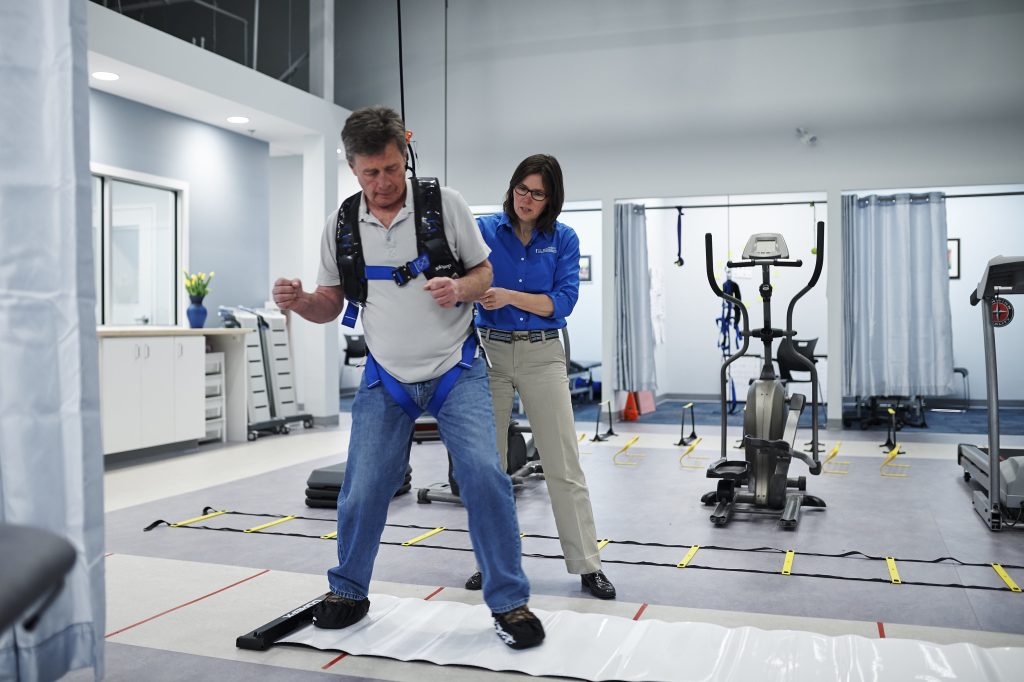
[818, 263]
[774, 262]
[709, 265]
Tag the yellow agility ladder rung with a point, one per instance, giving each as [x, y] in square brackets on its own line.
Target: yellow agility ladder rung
[689, 556]
[890, 410]
[690, 449]
[833, 453]
[198, 518]
[257, 529]
[329, 536]
[894, 575]
[580, 439]
[601, 544]
[787, 565]
[892, 455]
[427, 535]
[1006, 578]
[625, 447]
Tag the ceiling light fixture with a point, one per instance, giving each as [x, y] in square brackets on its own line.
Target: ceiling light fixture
[105, 76]
[238, 119]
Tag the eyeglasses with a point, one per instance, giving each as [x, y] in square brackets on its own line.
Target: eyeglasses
[537, 194]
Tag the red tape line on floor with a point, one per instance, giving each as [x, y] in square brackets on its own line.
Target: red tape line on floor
[179, 606]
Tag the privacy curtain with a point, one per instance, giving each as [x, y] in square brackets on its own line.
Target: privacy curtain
[634, 333]
[51, 461]
[896, 286]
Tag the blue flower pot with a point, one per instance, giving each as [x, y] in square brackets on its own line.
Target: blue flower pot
[196, 312]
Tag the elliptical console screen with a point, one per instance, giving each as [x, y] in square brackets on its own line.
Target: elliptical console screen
[765, 245]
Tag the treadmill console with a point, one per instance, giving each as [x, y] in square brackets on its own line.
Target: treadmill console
[765, 245]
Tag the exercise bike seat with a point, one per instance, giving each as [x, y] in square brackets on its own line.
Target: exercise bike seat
[729, 469]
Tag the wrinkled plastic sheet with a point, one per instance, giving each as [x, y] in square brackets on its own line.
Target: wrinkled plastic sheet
[592, 646]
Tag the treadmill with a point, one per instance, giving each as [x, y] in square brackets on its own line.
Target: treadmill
[999, 472]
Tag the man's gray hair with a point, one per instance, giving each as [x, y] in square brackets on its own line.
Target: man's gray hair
[368, 131]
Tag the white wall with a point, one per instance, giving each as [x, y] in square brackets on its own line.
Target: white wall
[689, 359]
[987, 227]
[687, 97]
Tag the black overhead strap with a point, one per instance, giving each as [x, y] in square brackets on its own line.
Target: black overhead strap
[679, 236]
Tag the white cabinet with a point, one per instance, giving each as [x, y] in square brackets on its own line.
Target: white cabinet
[189, 377]
[151, 391]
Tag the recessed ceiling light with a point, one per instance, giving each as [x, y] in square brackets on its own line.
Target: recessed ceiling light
[105, 76]
[238, 119]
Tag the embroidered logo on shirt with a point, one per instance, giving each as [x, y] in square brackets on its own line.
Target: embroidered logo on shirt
[548, 249]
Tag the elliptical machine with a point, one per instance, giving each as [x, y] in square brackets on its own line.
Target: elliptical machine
[770, 420]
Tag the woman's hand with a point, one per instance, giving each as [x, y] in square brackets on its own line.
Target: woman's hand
[495, 298]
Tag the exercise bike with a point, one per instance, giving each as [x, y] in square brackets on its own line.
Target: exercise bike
[760, 484]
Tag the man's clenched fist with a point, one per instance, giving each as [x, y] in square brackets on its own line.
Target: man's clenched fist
[287, 293]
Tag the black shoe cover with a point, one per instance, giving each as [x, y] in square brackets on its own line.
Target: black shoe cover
[519, 628]
[335, 612]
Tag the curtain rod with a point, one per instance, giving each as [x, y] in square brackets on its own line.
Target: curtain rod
[776, 203]
[984, 194]
[564, 210]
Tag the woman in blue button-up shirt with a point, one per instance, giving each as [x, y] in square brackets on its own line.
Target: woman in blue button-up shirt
[536, 262]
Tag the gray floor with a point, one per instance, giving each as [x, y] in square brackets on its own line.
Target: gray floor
[925, 515]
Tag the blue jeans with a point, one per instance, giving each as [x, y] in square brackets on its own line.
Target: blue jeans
[378, 453]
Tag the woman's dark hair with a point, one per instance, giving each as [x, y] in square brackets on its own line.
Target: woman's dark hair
[369, 131]
[551, 175]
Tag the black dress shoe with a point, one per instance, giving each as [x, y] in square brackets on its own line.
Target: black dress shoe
[598, 584]
[475, 582]
[335, 612]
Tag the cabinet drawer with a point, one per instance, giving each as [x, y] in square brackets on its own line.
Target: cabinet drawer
[214, 430]
[214, 408]
[214, 385]
[214, 363]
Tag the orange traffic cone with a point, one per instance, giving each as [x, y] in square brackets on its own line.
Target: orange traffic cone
[629, 412]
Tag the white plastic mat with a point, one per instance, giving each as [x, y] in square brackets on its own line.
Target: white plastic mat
[596, 647]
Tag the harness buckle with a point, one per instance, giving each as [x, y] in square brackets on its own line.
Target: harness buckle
[402, 274]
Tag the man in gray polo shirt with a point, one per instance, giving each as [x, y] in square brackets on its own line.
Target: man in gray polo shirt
[416, 334]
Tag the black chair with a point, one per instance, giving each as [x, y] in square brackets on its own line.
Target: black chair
[581, 374]
[789, 360]
[35, 563]
[355, 355]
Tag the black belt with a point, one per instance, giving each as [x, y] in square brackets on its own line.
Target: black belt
[532, 335]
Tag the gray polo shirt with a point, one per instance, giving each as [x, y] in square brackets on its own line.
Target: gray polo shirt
[410, 335]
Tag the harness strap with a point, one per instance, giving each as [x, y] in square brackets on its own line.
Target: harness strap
[377, 375]
[679, 237]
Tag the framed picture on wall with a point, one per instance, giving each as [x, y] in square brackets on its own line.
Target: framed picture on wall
[584, 268]
[953, 257]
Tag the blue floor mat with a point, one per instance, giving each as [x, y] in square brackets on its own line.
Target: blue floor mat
[975, 420]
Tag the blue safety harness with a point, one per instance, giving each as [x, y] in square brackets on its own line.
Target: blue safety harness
[377, 375]
[435, 259]
[727, 328]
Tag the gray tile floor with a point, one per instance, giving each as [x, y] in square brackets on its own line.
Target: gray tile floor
[925, 515]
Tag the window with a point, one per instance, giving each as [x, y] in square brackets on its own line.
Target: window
[137, 228]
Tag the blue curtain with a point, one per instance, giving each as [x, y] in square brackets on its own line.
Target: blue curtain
[634, 332]
[896, 285]
[51, 460]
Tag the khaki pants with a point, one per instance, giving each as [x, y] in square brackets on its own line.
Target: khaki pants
[537, 370]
